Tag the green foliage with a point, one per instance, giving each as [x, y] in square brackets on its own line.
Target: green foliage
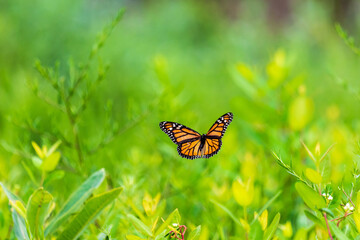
[80, 107]
[88, 213]
[37, 210]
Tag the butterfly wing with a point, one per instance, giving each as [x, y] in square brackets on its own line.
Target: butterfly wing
[178, 132]
[213, 137]
[190, 149]
[218, 129]
[187, 139]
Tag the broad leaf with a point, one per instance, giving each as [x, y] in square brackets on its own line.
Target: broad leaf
[76, 200]
[88, 213]
[313, 199]
[36, 211]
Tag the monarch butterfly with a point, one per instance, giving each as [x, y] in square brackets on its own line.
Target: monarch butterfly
[191, 144]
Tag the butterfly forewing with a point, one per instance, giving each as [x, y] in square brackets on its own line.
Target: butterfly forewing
[178, 132]
[218, 129]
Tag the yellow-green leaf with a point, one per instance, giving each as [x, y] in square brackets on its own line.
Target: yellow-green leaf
[270, 231]
[313, 175]
[313, 199]
[37, 149]
[37, 210]
[243, 192]
[50, 163]
[300, 112]
[19, 207]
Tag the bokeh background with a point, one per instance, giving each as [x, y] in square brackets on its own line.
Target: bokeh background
[280, 66]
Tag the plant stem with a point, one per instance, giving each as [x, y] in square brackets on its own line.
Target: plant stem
[327, 225]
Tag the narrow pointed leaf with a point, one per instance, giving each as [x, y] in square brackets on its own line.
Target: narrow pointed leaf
[337, 232]
[76, 200]
[225, 209]
[195, 234]
[36, 211]
[88, 213]
[20, 228]
[270, 231]
[139, 225]
[174, 217]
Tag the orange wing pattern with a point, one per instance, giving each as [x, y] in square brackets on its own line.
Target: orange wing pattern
[179, 133]
[191, 144]
[218, 129]
[211, 147]
[190, 150]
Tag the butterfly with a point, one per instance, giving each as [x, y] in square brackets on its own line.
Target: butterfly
[191, 144]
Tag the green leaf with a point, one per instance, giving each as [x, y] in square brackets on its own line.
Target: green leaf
[314, 218]
[328, 211]
[256, 233]
[76, 200]
[89, 212]
[270, 231]
[50, 163]
[266, 205]
[19, 226]
[313, 175]
[227, 211]
[195, 234]
[55, 175]
[138, 224]
[174, 217]
[36, 211]
[313, 199]
[38, 150]
[19, 207]
[337, 232]
[54, 147]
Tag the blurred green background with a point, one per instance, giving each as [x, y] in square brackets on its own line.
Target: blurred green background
[279, 66]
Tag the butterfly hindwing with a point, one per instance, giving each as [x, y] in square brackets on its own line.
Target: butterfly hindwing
[211, 147]
[190, 149]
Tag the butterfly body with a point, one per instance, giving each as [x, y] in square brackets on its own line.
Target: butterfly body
[191, 144]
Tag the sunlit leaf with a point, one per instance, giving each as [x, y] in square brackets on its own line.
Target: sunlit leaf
[313, 175]
[174, 217]
[88, 213]
[270, 231]
[76, 200]
[313, 199]
[139, 225]
[337, 232]
[243, 192]
[195, 233]
[50, 162]
[36, 211]
[38, 150]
